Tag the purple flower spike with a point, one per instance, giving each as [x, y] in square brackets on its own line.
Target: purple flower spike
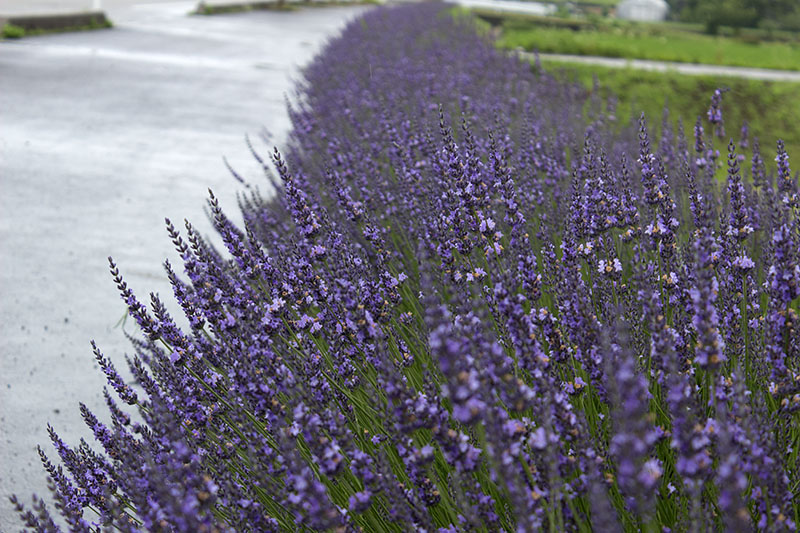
[469, 298]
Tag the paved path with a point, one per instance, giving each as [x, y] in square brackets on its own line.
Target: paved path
[683, 68]
[510, 6]
[102, 134]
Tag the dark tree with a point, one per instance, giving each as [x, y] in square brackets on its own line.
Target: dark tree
[733, 13]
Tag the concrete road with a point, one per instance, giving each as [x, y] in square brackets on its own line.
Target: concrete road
[102, 135]
[692, 69]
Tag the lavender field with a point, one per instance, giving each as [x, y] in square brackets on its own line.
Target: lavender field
[466, 297]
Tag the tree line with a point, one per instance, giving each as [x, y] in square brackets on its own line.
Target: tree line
[770, 14]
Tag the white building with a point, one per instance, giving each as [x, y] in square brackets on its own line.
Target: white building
[648, 10]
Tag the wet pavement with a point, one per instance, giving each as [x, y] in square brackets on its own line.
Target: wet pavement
[692, 69]
[102, 135]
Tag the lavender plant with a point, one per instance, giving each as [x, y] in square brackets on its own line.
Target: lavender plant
[473, 303]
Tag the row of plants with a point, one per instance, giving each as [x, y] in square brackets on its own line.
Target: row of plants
[465, 299]
[593, 16]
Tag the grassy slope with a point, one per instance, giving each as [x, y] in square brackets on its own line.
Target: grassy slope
[771, 108]
[654, 43]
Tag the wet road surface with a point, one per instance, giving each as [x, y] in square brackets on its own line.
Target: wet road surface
[102, 135]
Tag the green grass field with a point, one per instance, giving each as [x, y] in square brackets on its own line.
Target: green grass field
[772, 109]
[658, 42]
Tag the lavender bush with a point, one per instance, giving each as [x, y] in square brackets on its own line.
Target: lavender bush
[475, 303]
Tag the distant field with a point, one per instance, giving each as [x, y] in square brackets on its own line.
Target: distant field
[653, 42]
[771, 108]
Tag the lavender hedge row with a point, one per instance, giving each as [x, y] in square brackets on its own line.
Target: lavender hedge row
[476, 303]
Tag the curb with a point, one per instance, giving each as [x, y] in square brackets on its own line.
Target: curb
[56, 22]
[215, 8]
[211, 7]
